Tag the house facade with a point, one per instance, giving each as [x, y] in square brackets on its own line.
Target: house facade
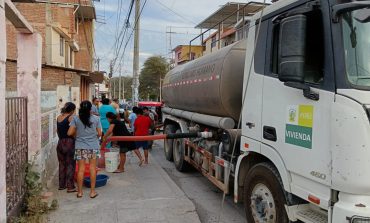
[67, 31]
[185, 53]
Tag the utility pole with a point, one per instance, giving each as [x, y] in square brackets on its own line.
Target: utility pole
[114, 89]
[135, 81]
[170, 43]
[136, 54]
[123, 89]
[119, 84]
[98, 62]
[160, 88]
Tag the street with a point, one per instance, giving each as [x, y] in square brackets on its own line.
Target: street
[206, 197]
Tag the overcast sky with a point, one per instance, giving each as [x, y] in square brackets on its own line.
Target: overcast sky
[157, 18]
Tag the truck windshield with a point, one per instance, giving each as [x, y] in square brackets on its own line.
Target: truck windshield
[356, 40]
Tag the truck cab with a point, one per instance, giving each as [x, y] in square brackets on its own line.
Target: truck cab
[305, 113]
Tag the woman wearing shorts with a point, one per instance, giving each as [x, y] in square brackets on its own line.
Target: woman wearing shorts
[87, 129]
[118, 128]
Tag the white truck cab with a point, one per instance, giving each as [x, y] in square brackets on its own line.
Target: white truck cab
[306, 104]
[303, 138]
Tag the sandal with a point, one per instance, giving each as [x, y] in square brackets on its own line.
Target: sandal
[119, 171]
[71, 190]
[61, 188]
[79, 195]
[141, 162]
[94, 196]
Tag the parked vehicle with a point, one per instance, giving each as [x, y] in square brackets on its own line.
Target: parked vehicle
[155, 107]
[289, 112]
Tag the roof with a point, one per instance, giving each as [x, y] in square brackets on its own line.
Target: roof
[228, 10]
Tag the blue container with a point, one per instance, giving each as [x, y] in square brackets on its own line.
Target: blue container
[101, 180]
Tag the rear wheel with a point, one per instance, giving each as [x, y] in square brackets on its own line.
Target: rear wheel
[264, 198]
[179, 154]
[168, 143]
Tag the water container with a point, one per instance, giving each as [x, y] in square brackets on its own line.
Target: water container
[111, 161]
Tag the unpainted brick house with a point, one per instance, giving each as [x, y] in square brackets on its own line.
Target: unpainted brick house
[67, 30]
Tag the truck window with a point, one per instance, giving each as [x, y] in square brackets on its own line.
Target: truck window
[314, 71]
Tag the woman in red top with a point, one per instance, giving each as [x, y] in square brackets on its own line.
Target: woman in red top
[142, 126]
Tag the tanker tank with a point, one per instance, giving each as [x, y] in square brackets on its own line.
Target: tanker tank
[211, 85]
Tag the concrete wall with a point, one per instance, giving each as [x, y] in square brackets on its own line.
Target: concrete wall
[2, 114]
[47, 160]
[56, 59]
[48, 100]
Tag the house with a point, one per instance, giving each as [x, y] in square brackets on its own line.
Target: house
[227, 25]
[185, 53]
[67, 31]
[65, 35]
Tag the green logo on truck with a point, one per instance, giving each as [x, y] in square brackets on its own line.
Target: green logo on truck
[298, 130]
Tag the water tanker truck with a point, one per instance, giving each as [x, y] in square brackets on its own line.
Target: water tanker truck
[287, 111]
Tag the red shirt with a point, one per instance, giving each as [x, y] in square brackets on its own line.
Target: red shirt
[142, 125]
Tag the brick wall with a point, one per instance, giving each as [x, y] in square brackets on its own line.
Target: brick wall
[76, 80]
[52, 77]
[64, 16]
[11, 76]
[11, 39]
[83, 58]
[35, 14]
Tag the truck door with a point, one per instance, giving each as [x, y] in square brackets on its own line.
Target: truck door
[294, 126]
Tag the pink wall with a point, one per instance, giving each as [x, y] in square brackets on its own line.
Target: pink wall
[2, 114]
[29, 84]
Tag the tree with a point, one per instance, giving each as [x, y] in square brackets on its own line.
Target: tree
[125, 85]
[154, 69]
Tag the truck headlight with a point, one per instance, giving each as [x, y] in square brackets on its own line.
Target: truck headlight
[358, 219]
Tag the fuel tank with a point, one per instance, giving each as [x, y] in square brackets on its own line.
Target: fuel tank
[212, 84]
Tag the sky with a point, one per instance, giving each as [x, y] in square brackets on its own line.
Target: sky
[157, 19]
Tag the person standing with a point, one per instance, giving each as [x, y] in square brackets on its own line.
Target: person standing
[103, 110]
[115, 105]
[142, 125]
[150, 114]
[118, 128]
[132, 117]
[87, 129]
[126, 115]
[95, 105]
[66, 149]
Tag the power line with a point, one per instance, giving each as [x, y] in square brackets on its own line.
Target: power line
[171, 10]
[122, 34]
[136, 21]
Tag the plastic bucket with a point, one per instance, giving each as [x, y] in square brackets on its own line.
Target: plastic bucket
[111, 161]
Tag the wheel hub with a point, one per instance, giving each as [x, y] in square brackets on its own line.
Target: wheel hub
[263, 205]
[176, 152]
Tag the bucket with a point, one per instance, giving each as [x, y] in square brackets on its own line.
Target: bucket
[101, 160]
[111, 161]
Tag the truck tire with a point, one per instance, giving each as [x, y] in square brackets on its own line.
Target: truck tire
[179, 153]
[168, 143]
[264, 198]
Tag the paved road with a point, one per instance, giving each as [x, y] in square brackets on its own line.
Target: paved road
[206, 197]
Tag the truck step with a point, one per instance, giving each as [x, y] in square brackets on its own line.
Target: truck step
[312, 216]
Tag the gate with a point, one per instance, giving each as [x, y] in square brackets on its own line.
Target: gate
[16, 153]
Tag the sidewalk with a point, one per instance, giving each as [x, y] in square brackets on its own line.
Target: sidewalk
[139, 195]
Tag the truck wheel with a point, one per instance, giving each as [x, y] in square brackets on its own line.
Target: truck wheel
[168, 143]
[179, 153]
[264, 198]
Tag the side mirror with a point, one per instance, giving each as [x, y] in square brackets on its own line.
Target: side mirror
[292, 48]
[291, 54]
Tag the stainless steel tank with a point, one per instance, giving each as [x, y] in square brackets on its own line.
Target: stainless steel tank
[212, 84]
